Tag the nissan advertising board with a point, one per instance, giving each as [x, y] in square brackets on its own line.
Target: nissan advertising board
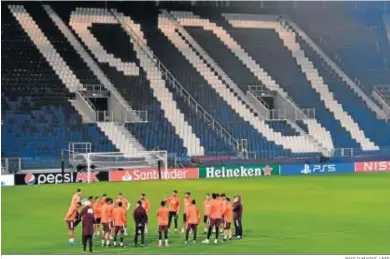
[372, 166]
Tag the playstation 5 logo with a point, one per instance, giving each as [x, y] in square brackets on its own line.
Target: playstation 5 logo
[306, 169]
[318, 168]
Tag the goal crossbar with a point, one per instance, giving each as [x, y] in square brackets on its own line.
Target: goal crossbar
[120, 160]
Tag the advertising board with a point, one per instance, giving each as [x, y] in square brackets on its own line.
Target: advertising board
[147, 174]
[60, 178]
[325, 168]
[238, 171]
[7, 180]
[372, 166]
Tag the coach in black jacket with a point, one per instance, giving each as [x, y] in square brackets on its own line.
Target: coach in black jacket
[237, 216]
[140, 218]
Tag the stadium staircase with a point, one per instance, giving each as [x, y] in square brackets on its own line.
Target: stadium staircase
[375, 129]
[239, 66]
[356, 103]
[188, 49]
[358, 46]
[60, 46]
[288, 23]
[191, 80]
[301, 76]
[38, 118]
[213, 136]
[89, 73]
[145, 91]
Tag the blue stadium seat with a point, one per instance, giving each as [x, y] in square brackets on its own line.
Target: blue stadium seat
[38, 120]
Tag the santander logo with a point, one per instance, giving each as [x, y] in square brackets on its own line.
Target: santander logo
[147, 174]
[127, 177]
[29, 179]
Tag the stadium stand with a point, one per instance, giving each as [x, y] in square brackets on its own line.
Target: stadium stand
[355, 40]
[37, 118]
[190, 72]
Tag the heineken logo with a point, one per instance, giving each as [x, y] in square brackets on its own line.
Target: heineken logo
[267, 170]
[238, 171]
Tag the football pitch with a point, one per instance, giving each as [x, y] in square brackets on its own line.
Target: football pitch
[335, 214]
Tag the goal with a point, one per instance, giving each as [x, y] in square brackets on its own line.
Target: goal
[116, 160]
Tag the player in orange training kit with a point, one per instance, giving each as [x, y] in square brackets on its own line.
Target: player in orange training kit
[162, 219]
[70, 218]
[206, 212]
[222, 199]
[174, 208]
[228, 218]
[193, 220]
[107, 210]
[146, 205]
[76, 197]
[126, 205]
[97, 210]
[216, 211]
[187, 203]
[120, 221]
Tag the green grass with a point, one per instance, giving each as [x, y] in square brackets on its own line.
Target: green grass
[336, 214]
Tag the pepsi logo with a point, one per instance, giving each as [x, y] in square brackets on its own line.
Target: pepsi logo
[29, 179]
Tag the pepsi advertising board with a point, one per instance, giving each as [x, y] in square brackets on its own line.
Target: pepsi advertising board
[320, 168]
[60, 178]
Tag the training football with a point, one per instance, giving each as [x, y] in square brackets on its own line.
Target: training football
[282, 215]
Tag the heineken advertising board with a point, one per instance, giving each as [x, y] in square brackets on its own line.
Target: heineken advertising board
[238, 171]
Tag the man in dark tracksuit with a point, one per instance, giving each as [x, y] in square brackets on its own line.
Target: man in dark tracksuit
[87, 221]
[237, 216]
[140, 218]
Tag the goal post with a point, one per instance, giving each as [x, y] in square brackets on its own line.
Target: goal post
[95, 161]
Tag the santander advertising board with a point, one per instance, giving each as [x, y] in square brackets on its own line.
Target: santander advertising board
[148, 174]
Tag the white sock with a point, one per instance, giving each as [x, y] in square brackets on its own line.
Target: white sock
[102, 241]
[160, 242]
[121, 244]
[166, 241]
[125, 231]
[108, 242]
[71, 240]
[114, 243]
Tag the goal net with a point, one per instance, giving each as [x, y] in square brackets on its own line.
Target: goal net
[117, 160]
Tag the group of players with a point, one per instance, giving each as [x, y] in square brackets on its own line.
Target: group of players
[108, 218]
